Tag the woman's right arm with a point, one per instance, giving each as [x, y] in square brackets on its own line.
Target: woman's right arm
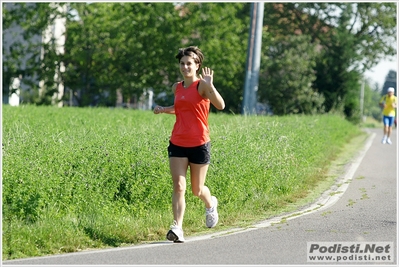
[167, 110]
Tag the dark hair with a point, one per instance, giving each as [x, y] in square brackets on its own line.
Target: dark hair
[191, 51]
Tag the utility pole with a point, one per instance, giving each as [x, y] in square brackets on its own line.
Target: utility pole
[253, 59]
[362, 101]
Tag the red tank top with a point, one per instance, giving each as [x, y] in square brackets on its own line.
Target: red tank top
[191, 128]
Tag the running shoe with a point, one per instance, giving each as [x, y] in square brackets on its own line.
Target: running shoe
[175, 233]
[211, 214]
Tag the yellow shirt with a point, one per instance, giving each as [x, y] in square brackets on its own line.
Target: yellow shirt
[389, 110]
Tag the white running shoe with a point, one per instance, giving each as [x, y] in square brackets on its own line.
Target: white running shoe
[175, 233]
[389, 141]
[211, 214]
[384, 140]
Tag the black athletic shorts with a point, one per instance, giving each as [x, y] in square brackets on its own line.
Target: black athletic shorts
[197, 155]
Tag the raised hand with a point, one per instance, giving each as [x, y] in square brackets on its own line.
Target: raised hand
[207, 76]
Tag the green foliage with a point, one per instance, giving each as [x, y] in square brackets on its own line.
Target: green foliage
[351, 37]
[287, 75]
[221, 31]
[371, 99]
[130, 47]
[78, 178]
[27, 54]
[133, 47]
[376, 37]
[127, 46]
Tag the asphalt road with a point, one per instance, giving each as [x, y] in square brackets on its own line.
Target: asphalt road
[362, 209]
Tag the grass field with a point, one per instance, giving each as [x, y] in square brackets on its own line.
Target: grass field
[370, 122]
[80, 178]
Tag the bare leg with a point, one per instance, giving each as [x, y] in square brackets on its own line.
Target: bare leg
[386, 130]
[389, 131]
[198, 176]
[178, 169]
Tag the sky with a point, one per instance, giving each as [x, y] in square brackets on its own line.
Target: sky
[379, 72]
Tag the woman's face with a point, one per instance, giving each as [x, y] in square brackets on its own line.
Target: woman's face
[188, 67]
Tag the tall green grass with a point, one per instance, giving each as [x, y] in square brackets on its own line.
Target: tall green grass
[78, 178]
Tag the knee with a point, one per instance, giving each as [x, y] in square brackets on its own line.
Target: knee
[196, 191]
[179, 186]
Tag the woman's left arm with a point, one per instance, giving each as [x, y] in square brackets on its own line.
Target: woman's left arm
[208, 90]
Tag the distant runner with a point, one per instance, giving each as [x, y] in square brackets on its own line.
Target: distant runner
[388, 102]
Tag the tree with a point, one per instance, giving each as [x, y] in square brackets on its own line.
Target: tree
[287, 75]
[390, 81]
[372, 96]
[353, 37]
[125, 46]
[132, 46]
[221, 31]
[26, 54]
[356, 41]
